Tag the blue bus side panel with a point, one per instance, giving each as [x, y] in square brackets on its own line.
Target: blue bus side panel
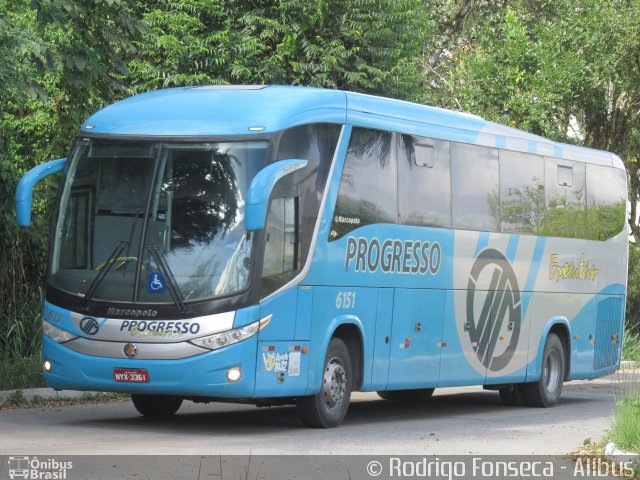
[377, 376]
[608, 336]
[303, 314]
[328, 316]
[246, 316]
[416, 338]
[455, 368]
[282, 369]
[582, 341]
[283, 309]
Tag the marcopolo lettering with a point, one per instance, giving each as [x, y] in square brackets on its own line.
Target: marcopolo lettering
[133, 312]
[414, 257]
[159, 327]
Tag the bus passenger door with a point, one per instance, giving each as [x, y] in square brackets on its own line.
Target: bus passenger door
[416, 336]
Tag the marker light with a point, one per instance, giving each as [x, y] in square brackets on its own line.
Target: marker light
[47, 366]
[234, 374]
[56, 334]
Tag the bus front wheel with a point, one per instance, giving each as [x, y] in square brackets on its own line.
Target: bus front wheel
[156, 406]
[546, 391]
[328, 407]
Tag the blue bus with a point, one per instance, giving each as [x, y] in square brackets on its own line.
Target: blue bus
[289, 245]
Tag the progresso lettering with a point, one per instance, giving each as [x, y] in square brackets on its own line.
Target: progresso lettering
[414, 257]
[169, 328]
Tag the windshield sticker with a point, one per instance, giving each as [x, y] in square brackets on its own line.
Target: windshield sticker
[155, 283]
[414, 257]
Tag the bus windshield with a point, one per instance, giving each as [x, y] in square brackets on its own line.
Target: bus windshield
[155, 222]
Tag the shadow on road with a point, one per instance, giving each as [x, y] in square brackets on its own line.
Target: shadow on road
[224, 419]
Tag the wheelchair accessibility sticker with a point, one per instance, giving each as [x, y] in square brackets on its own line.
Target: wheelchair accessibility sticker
[155, 283]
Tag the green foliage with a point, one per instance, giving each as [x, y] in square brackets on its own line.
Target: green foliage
[360, 45]
[562, 69]
[633, 290]
[58, 63]
[21, 372]
[631, 349]
[626, 426]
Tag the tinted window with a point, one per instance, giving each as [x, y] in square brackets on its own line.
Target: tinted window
[565, 199]
[315, 143]
[296, 201]
[606, 201]
[280, 254]
[368, 185]
[74, 252]
[475, 183]
[521, 192]
[424, 183]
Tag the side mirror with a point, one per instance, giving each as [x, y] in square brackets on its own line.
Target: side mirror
[24, 192]
[260, 190]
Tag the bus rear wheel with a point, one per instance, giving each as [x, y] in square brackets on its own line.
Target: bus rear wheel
[546, 391]
[415, 395]
[156, 406]
[328, 407]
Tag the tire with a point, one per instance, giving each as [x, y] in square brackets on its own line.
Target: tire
[328, 407]
[512, 396]
[546, 391]
[156, 406]
[406, 395]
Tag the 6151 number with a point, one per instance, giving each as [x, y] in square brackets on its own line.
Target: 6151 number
[346, 300]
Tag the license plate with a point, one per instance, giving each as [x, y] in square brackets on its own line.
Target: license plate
[130, 375]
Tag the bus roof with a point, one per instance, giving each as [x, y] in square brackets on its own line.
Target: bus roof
[223, 110]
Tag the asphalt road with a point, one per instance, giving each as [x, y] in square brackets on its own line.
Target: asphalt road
[454, 421]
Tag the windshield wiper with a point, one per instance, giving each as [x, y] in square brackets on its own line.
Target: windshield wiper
[108, 265]
[172, 285]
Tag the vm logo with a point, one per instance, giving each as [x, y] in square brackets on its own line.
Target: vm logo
[493, 309]
[89, 325]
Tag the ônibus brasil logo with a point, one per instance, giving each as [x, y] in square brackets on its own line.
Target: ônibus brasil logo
[493, 309]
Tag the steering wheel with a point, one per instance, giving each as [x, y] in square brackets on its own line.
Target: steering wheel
[122, 261]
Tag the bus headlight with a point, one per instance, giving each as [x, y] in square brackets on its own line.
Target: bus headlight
[222, 339]
[56, 334]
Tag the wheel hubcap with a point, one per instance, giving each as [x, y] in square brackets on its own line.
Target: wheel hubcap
[552, 372]
[335, 384]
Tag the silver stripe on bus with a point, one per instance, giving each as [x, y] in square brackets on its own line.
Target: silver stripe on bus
[146, 351]
[152, 330]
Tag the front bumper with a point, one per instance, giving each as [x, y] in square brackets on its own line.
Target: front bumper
[204, 375]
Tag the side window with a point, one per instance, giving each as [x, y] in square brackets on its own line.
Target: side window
[315, 143]
[606, 201]
[521, 192]
[75, 246]
[368, 185]
[475, 182]
[424, 181]
[280, 255]
[295, 202]
[565, 199]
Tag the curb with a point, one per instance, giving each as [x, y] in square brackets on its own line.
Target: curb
[629, 364]
[45, 393]
[613, 454]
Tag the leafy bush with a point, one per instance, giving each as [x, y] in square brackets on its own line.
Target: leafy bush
[626, 427]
